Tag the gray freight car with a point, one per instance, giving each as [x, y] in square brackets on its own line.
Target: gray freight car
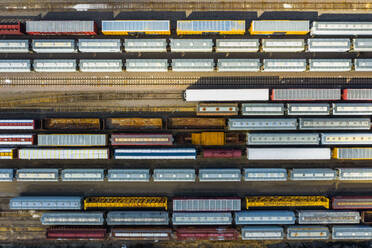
[334, 124]
[308, 108]
[262, 109]
[330, 65]
[191, 45]
[146, 65]
[18, 65]
[14, 46]
[312, 174]
[83, 175]
[358, 232]
[262, 232]
[265, 174]
[72, 218]
[54, 65]
[341, 28]
[219, 175]
[262, 124]
[328, 45]
[283, 45]
[302, 94]
[237, 45]
[206, 204]
[134, 218]
[37, 175]
[238, 65]
[308, 232]
[352, 108]
[328, 217]
[362, 45]
[99, 45]
[54, 46]
[354, 153]
[192, 65]
[174, 175]
[128, 175]
[203, 218]
[283, 139]
[265, 217]
[355, 174]
[6, 175]
[46, 203]
[284, 65]
[145, 45]
[363, 64]
[101, 65]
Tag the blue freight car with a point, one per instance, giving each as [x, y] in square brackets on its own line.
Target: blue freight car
[137, 218]
[262, 217]
[46, 203]
[72, 218]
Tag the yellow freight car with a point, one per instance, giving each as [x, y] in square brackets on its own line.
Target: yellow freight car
[125, 202]
[352, 153]
[287, 201]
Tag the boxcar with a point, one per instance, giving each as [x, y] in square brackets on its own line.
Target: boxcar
[126, 27]
[6, 175]
[313, 174]
[262, 109]
[37, 175]
[191, 45]
[305, 94]
[101, 65]
[346, 138]
[351, 232]
[238, 65]
[134, 123]
[54, 46]
[161, 153]
[141, 139]
[196, 123]
[205, 233]
[83, 175]
[265, 174]
[237, 45]
[76, 233]
[284, 65]
[72, 123]
[210, 26]
[334, 124]
[71, 140]
[352, 202]
[141, 233]
[262, 124]
[191, 65]
[308, 108]
[16, 139]
[14, 46]
[283, 45]
[206, 204]
[145, 45]
[262, 232]
[99, 45]
[279, 27]
[61, 27]
[202, 218]
[331, 65]
[217, 109]
[17, 124]
[128, 175]
[265, 217]
[220, 175]
[222, 153]
[10, 28]
[174, 175]
[45, 203]
[16, 65]
[328, 217]
[356, 174]
[362, 45]
[357, 94]
[328, 45]
[63, 153]
[341, 28]
[288, 153]
[218, 95]
[7, 153]
[283, 139]
[146, 65]
[354, 153]
[72, 218]
[134, 218]
[54, 65]
[363, 64]
[308, 232]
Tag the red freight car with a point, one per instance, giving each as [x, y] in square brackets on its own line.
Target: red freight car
[76, 233]
[16, 139]
[10, 28]
[352, 202]
[218, 233]
[61, 27]
[17, 124]
[141, 139]
[222, 153]
[141, 233]
[357, 94]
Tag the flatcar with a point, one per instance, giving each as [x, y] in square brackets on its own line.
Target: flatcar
[352, 153]
[83, 175]
[192, 27]
[72, 218]
[145, 45]
[262, 233]
[262, 124]
[202, 218]
[205, 109]
[37, 175]
[206, 204]
[265, 174]
[308, 232]
[288, 153]
[127, 27]
[256, 109]
[283, 139]
[161, 153]
[46, 203]
[54, 65]
[302, 94]
[226, 95]
[14, 46]
[308, 109]
[283, 45]
[105, 202]
[174, 175]
[265, 217]
[341, 28]
[219, 175]
[64, 27]
[54, 46]
[351, 232]
[328, 217]
[134, 218]
[334, 124]
[313, 174]
[279, 27]
[352, 109]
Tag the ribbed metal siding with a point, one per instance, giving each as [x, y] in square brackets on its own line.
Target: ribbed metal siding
[354, 153]
[71, 140]
[136, 26]
[359, 94]
[306, 94]
[60, 27]
[211, 25]
[206, 205]
[202, 218]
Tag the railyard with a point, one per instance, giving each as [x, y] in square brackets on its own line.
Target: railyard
[164, 94]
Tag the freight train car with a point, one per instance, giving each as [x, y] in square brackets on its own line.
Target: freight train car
[313, 232]
[72, 123]
[328, 45]
[204, 233]
[362, 45]
[366, 217]
[134, 218]
[6, 175]
[362, 64]
[40, 153]
[288, 153]
[278, 27]
[346, 138]
[61, 27]
[218, 95]
[16, 139]
[262, 109]
[328, 217]
[99, 45]
[153, 233]
[191, 45]
[357, 94]
[45, 203]
[16, 65]
[222, 27]
[220, 175]
[69, 175]
[316, 174]
[284, 65]
[262, 124]
[196, 123]
[76, 233]
[308, 108]
[201, 218]
[305, 94]
[358, 232]
[237, 45]
[351, 202]
[128, 175]
[71, 140]
[334, 124]
[17, 124]
[14, 46]
[283, 139]
[101, 65]
[7, 153]
[352, 109]
[221, 153]
[72, 218]
[341, 28]
[134, 123]
[125, 202]
[330, 65]
[265, 217]
[286, 201]
[211, 138]
[186, 65]
[265, 174]
[54, 46]
[141, 139]
[146, 65]
[238, 65]
[10, 28]
[206, 204]
[262, 233]
[174, 175]
[205, 109]
[145, 45]
[352, 153]
[161, 153]
[35, 175]
[283, 45]
[127, 27]
[54, 65]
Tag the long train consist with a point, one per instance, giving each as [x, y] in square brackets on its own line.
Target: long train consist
[187, 175]
[190, 213]
[190, 27]
[186, 65]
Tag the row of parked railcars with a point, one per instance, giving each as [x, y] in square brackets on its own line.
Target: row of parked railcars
[185, 45]
[186, 65]
[191, 27]
[188, 175]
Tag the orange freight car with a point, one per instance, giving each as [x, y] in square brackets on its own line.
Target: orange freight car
[197, 123]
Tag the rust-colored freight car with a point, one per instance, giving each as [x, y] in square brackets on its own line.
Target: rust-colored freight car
[76, 233]
[141, 233]
[352, 202]
[218, 233]
[10, 28]
[134, 123]
[197, 123]
[211, 138]
[214, 109]
[222, 153]
[141, 139]
[72, 123]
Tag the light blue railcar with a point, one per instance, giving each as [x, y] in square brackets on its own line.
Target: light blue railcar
[265, 217]
[46, 203]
